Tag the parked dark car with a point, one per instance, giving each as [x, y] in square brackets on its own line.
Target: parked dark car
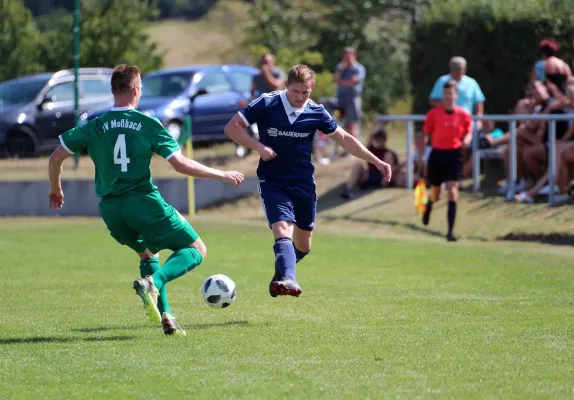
[211, 94]
[36, 109]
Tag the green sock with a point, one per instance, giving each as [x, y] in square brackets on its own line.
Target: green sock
[147, 267]
[179, 263]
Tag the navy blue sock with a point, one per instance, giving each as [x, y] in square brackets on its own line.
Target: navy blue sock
[300, 254]
[285, 259]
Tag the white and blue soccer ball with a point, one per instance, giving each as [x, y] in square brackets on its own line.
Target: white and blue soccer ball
[218, 291]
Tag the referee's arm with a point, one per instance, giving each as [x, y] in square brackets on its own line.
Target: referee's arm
[467, 137]
[429, 125]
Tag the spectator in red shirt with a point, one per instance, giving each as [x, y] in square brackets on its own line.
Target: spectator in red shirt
[450, 129]
[368, 177]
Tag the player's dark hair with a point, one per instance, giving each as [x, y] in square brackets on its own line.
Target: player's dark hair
[300, 74]
[450, 84]
[124, 78]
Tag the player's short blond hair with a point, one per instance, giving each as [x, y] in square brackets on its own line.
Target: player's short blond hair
[300, 74]
[124, 78]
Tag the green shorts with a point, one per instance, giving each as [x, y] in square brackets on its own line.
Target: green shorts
[143, 220]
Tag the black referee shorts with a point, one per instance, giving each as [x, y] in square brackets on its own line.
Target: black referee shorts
[444, 166]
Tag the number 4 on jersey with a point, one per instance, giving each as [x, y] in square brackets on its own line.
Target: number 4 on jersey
[120, 153]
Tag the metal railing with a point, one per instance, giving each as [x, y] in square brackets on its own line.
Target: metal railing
[511, 119]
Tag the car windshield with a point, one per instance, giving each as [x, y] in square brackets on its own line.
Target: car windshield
[20, 92]
[166, 85]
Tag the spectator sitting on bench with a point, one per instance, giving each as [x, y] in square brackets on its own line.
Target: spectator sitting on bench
[487, 135]
[526, 105]
[535, 156]
[562, 102]
[365, 174]
[564, 157]
[527, 134]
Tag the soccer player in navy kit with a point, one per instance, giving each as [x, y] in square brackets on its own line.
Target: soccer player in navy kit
[287, 122]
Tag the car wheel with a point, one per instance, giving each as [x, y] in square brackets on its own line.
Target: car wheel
[21, 143]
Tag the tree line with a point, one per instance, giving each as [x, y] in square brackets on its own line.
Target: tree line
[167, 8]
[403, 44]
[295, 30]
[108, 34]
[499, 40]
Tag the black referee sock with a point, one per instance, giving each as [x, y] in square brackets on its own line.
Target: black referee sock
[451, 214]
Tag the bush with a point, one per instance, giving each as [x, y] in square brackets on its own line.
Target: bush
[498, 39]
[19, 53]
[286, 58]
[316, 32]
[108, 36]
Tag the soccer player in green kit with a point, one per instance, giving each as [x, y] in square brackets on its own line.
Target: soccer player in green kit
[121, 144]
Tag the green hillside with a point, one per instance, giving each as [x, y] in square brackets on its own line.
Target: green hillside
[215, 38]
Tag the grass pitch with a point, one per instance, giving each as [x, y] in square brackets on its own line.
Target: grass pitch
[377, 319]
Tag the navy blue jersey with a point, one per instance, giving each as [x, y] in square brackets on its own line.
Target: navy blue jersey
[289, 131]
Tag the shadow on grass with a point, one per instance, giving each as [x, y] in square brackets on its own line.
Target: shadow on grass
[332, 198]
[360, 219]
[484, 204]
[428, 231]
[557, 239]
[49, 339]
[134, 327]
[220, 324]
[111, 328]
[408, 225]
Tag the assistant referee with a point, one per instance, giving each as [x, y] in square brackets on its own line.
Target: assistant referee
[450, 129]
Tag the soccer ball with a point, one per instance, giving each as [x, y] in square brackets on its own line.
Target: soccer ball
[218, 291]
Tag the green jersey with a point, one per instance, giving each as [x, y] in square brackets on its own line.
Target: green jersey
[121, 144]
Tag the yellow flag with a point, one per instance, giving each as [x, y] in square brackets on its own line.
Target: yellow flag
[421, 197]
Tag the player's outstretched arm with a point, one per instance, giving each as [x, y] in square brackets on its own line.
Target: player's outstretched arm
[56, 194]
[189, 167]
[235, 130]
[356, 148]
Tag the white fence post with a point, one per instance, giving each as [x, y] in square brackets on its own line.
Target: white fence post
[410, 166]
[475, 163]
[512, 163]
[551, 161]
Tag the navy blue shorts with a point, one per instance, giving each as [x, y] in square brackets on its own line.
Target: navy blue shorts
[289, 202]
